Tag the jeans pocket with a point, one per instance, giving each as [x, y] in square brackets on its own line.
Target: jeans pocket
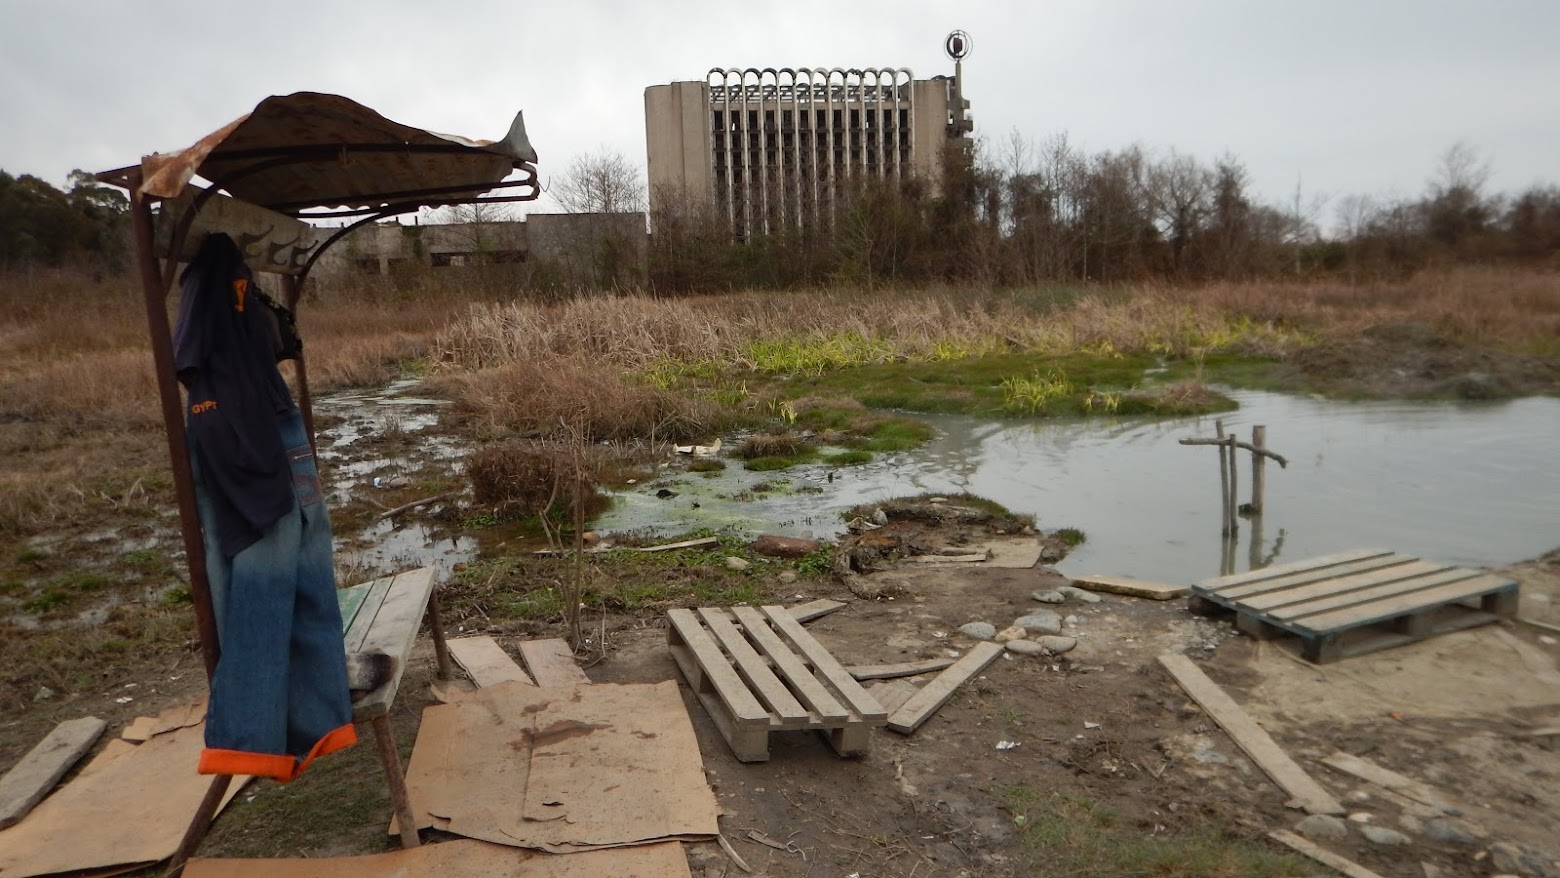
[306, 477]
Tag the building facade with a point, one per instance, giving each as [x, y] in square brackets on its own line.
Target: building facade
[776, 149]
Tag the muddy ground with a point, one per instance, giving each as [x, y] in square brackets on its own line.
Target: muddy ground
[1106, 742]
[1107, 745]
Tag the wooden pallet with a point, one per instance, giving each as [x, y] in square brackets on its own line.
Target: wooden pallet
[1359, 601]
[757, 670]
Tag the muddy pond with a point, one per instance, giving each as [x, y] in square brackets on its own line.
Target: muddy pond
[1462, 483]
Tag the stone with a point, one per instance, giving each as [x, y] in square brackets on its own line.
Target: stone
[788, 576]
[1514, 858]
[1448, 832]
[784, 547]
[1382, 835]
[1049, 597]
[736, 563]
[1323, 827]
[1025, 647]
[1079, 594]
[979, 630]
[879, 517]
[44, 694]
[1057, 645]
[1070, 620]
[1011, 633]
[1040, 622]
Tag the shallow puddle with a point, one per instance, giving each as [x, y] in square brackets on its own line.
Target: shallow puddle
[1463, 483]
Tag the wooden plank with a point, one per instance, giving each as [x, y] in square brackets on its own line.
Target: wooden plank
[552, 663]
[350, 601]
[935, 694]
[1350, 617]
[1363, 597]
[1343, 585]
[685, 544]
[1308, 582]
[1292, 567]
[374, 597]
[1250, 737]
[734, 694]
[1327, 858]
[813, 609]
[902, 669]
[393, 629]
[1366, 770]
[30, 779]
[1137, 588]
[485, 662]
[826, 666]
[791, 666]
[755, 670]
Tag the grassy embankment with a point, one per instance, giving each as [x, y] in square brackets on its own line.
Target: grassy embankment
[85, 496]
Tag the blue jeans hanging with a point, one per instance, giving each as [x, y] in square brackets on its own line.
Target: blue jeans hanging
[279, 696]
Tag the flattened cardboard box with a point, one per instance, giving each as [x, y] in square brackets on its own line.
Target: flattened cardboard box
[562, 769]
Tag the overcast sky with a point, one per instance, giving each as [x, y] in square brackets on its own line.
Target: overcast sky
[1348, 96]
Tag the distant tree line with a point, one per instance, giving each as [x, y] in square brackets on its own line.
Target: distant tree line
[1055, 213]
[87, 224]
[1019, 213]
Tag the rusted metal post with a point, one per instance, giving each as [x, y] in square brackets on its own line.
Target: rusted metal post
[399, 797]
[1258, 459]
[155, 290]
[441, 648]
[291, 290]
[196, 832]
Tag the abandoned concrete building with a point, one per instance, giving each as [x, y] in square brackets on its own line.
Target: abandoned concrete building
[781, 148]
[571, 248]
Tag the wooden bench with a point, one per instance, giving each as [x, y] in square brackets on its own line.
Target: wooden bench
[756, 670]
[383, 616]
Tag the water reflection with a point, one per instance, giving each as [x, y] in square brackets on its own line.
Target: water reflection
[1468, 484]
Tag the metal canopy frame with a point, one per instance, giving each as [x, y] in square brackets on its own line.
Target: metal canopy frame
[371, 168]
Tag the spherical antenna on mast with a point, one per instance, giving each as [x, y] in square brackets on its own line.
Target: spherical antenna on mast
[958, 45]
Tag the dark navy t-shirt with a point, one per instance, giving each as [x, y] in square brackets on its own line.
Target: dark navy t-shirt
[225, 359]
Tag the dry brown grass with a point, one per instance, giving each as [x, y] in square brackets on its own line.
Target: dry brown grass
[534, 478]
[568, 396]
[1512, 309]
[1516, 310]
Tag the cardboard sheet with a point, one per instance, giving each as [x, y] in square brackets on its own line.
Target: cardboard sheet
[562, 770]
[462, 858]
[147, 727]
[129, 805]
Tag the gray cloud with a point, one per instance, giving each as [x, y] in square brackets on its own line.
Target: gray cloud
[1352, 97]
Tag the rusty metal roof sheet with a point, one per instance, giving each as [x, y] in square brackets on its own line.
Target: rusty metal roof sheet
[312, 150]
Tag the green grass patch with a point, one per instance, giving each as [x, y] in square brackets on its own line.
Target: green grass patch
[31, 556]
[1073, 835]
[895, 434]
[1071, 536]
[706, 465]
[52, 599]
[970, 385]
[848, 458]
[775, 464]
[178, 596]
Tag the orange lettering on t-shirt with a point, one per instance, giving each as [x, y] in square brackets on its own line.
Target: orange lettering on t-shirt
[201, 407]
[240, 287]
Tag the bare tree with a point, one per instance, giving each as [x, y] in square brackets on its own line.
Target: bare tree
[600, 182]
[1178, 188]
[1456, 208]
